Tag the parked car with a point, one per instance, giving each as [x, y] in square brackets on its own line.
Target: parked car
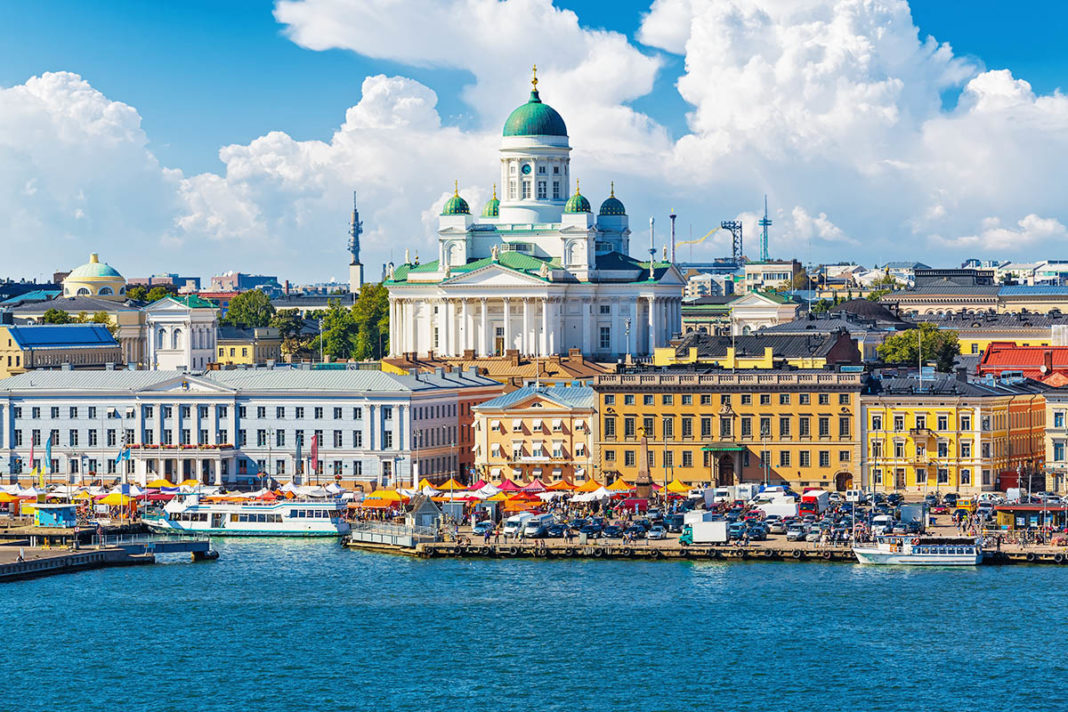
[613, 531]
[673, 523]
[481, 528]
[795, 532]
[556, 531]
[635, 532]
[813, 534]
[735, 531]
[892, 499]
[593, 531]
[657, 532]
[757, 533]
[950, 498]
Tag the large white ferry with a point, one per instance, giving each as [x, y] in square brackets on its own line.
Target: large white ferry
[920, 551]
[189, 515]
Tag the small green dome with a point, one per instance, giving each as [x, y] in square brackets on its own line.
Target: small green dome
[456, 205]
[535, 119]
[94, 268]
[613, 205]
[577, 203]
[493, 206]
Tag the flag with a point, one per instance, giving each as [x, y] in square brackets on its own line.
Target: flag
[48, 455]
[124, 454]
[315, 453]
[300, 462]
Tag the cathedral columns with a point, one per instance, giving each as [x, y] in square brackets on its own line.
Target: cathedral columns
[411, 343]
[632, 335]
[652, 323]
[507, 325]
[586, 318]
[526, 344]
[465, 324]
[484, 349]
[451, 334]
[543, 347]
[439, 347]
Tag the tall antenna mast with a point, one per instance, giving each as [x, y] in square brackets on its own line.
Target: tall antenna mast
[764, 223]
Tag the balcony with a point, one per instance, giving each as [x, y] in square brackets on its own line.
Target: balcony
[921, 433]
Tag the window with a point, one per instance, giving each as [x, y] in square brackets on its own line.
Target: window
[877, 476]
[54, 411]
[261, 412]
[299, 415]
[669, 428]
[804, 398]
[747, 426]
[610, 399]
[706, 399]
[647, 400]
[72, 438]
[876, 448]
[725, 427]
[843, 399]
[261, 438]
[965, 448]
[556, 187]
[609, 455]
[111, 437]
[318, 413]
[628, 428]
[843, 427]
[36, 413]
[628, 399]
[921, 476]
[609, 428]
[687, 427]
[804, 458]
[804, 427]
[706, 427]
[943, 449]
[921, 422]
[899, 449]
[943, 422]
[824, 399]
[825, 458]
[877, 422]
[784, 426]
[899, 423]
[943, 476]
[687, 458]
[605, 338]
[725, 399]
[628, 458]
[667, 400]
[606, 308]
[784, 399]
[387, 412]
[280, 438]
[204, 437]
[387, 439]
[94, 437]
[844, 456]
[965, 477]
[338, 439]
[784, 458]
[825, 427]
[966, 422]
[543, 192]
[357, 438]
[649, 425]
[687, 399]
[669, 458]
[73, 412]
[765, 399]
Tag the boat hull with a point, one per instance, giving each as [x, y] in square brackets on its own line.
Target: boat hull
[173, 530]
[873, 556]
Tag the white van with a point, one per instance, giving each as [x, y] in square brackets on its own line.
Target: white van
[856, 496]
[538, 525]
[881, 522]
[514, 524]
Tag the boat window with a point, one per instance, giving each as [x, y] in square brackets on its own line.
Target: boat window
[233, 517]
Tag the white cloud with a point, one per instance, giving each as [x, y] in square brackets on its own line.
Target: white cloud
[832, 107]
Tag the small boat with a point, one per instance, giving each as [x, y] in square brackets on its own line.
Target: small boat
[296, 518]
[920, 551]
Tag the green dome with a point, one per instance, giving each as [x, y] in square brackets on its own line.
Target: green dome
[613, 205]
[493, 206]
[456, 205]
[577, 203]
[535, 119]
[94, 268]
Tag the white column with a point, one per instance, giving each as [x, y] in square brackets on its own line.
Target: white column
[587, 317]
[526, 341]
[452, 330]
[410, 313]
[507, 325]
[465, 322]
[632, 337]
[652, 324]
[442, 340]
[543, 346]
[218, 472]
[485, 327]
[554, 325]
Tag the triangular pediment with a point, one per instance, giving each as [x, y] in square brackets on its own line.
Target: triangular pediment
[494, 275]
[167, 305]
[187, 384]
[754, 299]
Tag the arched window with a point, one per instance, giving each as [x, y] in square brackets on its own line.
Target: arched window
[160, 336]
[83, 292]
[176, 339]
[106, 291]
[122, 290]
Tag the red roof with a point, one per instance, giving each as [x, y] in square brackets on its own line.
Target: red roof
[1038, 362]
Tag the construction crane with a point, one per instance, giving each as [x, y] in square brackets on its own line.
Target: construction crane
[735, 229]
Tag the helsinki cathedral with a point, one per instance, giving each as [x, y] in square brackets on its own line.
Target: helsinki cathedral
[537, 271]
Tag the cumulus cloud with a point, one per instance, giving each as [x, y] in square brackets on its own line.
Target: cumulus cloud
[835, 108]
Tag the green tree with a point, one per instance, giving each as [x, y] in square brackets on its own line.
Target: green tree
[81, 318]
[160, 291]
[883, 286]
[288, 322]
[56, 316]
[371, 312]
[252, 309]
[800, 280]
[138, 293]
[339, 333]
[939, 345]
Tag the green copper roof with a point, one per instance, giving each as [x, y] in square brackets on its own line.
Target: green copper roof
[492, 209]
[193, 301]
[613, 206]
[535, 119]
[93, 268]
[456, 206]
[577, 203]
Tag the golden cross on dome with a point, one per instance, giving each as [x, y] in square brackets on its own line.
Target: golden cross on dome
[456, 187]
[613, 184]
[534, 81]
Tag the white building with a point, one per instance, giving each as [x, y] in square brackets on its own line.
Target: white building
[181, 333]
[538, 272]
[236, 426]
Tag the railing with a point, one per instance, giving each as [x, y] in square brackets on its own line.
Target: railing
[392, 529]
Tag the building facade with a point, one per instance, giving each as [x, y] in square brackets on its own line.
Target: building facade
[236, 427]
[181, 333]
[236, 346]
[23, 348]
[795, 427]
[537, 272]
[95, 279]
[950, 435]
[536, 432]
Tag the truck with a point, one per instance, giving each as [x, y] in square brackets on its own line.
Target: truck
[514, 524]
[704, 533]
[538, 525]
[782, 506]
[814, 502]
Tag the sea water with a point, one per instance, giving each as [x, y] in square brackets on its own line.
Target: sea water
[279, 625]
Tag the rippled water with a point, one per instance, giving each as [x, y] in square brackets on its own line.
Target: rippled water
[277, 625]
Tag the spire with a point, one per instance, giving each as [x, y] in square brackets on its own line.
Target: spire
[534, 79]
[355, 230]
[456, 187]
[612, 193]
[577, 191]
[494, 191]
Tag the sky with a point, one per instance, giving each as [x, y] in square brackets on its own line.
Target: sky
[198, 137]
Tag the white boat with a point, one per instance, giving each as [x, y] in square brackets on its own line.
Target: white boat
[297, 518]
[920, 551]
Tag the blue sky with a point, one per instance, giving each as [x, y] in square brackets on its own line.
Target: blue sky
[202, 75]
[205, 73]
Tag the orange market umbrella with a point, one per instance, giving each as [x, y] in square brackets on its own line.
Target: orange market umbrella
[451, 486]
[590, 485]
[499, 497]
[676, 487]
[619, 486]
[561, 486]
[386, 495]
[377, 504]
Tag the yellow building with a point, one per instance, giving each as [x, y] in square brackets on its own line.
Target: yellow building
[799, 427]
[23, 348]
[761, 351]
[1056, 440]
[536, 432]
[95, 279]
[946, 434]
[248, 346]
[976, 332]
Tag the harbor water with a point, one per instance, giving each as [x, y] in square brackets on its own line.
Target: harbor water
[306, 625]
